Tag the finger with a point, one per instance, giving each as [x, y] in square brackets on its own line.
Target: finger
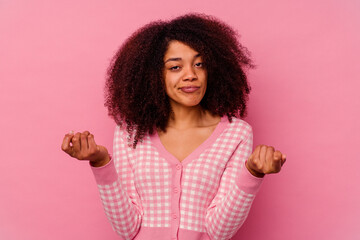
[84, 141]
[254, 158]
[277, 155]
[269, 153]
[92, 144]
[87, 133]
[76, 142]
[277, 161]
[263, 153]
[65, 146]
[257, 151]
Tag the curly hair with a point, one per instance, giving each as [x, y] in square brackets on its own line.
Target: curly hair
[135, 92]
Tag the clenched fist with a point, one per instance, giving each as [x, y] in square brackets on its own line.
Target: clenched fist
[83, 147]
[265, 160]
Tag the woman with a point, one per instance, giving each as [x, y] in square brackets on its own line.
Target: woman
[182, 166]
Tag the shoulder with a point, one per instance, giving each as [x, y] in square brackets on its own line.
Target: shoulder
[239, 128]
[121, 133]
[120, 130]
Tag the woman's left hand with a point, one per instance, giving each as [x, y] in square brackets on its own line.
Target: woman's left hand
[265, 160]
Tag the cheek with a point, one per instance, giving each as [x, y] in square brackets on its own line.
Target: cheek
[205, 80]
[170, 85]
[202, 74]
[170, 82]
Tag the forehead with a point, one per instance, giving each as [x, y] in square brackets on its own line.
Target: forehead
[179, 49]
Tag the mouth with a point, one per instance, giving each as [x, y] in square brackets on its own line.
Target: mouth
[189, 89]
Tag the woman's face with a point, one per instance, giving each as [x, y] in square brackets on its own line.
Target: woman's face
[184, 74]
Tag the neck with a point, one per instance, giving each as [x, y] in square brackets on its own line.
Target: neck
[186, 117]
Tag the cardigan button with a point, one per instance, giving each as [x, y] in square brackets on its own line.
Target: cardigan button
[178, 166]
[174, 216]
[175, 190]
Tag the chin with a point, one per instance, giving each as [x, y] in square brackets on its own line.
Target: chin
[186, 103]
[193, 104]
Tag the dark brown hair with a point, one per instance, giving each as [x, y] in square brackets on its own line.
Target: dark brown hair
[135, 92]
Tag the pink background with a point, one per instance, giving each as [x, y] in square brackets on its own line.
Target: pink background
[304, 101]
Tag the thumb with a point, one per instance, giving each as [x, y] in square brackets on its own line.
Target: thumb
[103, 150]
[283, 159]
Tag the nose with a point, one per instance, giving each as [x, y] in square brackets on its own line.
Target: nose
[190, 74]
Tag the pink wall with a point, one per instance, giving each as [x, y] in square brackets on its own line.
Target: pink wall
[305, 102]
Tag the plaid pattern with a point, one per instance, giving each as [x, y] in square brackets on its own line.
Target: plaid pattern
[205, 194]
[231, 205]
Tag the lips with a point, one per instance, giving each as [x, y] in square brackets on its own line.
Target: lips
[189, 89]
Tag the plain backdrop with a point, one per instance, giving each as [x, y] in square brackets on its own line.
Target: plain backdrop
[304, 101]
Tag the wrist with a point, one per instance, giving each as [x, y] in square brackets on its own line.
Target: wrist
[253, 172]
[102, 162]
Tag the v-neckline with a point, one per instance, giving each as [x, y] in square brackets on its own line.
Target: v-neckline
[155, 140]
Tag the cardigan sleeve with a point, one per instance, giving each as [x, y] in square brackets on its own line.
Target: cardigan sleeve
[238, 187]
[117, 190]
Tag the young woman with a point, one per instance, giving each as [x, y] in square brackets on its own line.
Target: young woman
[182, 165]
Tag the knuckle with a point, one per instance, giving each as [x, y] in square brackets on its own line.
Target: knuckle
[257, 163]
[269, 170]
[92, 151]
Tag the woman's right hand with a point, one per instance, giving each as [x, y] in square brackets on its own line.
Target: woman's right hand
[82, 146]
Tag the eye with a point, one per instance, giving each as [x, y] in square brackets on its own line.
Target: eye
[200, 64]
[175, 68]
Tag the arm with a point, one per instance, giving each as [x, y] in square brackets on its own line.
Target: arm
[116, 186]
[237, 190]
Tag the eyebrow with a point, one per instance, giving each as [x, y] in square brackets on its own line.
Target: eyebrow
[179, 59]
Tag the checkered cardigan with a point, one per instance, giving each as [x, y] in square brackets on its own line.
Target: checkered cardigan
[148, 194]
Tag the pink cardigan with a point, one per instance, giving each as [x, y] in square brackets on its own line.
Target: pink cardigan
[148, 194]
